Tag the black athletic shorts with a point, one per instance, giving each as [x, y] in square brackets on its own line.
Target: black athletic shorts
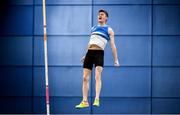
[94, 57]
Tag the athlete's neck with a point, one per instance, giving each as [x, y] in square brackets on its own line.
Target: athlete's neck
[102, 24]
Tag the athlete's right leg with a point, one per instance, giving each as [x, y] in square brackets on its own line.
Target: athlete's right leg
[87, 65]
[85, 88]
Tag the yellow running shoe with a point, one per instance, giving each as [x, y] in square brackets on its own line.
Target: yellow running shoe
[96, 102]
[82, 105]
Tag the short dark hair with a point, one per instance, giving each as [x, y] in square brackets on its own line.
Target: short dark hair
[104, 12]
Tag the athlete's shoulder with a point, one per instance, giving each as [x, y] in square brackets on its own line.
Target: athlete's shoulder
[93, 27]
[109, 27]
[110, 30]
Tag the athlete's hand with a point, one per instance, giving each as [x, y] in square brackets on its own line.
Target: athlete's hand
[82, 59]
[116, 63]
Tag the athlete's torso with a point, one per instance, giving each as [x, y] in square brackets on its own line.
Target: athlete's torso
[99, 37]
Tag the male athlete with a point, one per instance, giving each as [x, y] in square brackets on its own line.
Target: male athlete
[100, 35]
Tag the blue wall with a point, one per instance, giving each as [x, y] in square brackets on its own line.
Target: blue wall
[147, 35]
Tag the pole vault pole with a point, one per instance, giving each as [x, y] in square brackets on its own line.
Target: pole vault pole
[46, 58]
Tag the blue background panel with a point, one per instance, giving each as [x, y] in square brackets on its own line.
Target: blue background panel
[125, 82]
[16, 50]
[166, 20]
[65, 2]
[62, 50]
[15, 105]
[166, 50]
[166, 106]
[132, 51]
[123, 106]
[16, 81]
[17, 20]
[128, 19]
[166, 1]
[166, 82]
[39, 105]
[122, 2]
[64, 20]
[20, 2]
[63, 81]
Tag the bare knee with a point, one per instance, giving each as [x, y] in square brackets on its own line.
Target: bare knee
[98, 78]
[98, 73]
[86, 75]
[85, 79]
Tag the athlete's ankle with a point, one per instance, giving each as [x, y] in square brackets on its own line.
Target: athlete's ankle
[96, 98]
[85, 101]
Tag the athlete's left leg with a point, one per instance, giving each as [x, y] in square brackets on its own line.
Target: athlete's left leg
[98, 72]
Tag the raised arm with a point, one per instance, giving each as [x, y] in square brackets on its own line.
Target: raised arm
[113, 47]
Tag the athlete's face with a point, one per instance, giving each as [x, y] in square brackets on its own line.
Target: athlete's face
[102, 18]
